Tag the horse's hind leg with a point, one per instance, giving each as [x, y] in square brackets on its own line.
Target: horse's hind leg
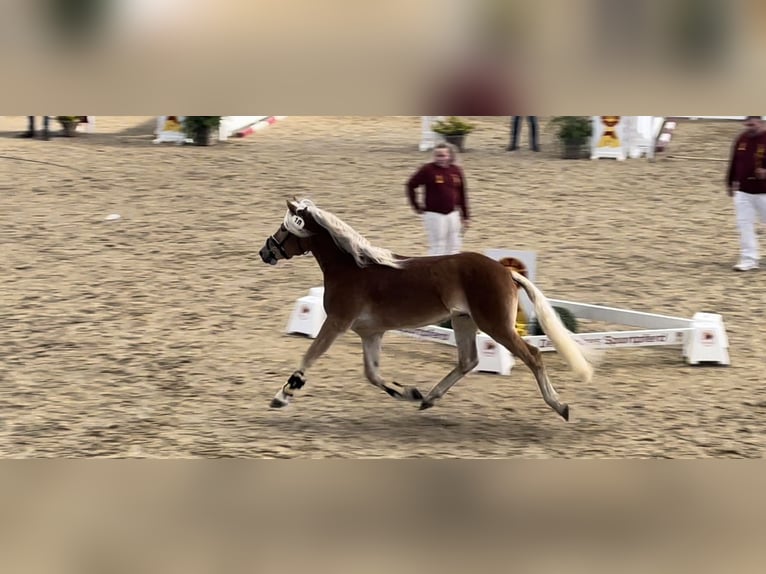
[371, 344]
[467, 354]
[532, 357]
[330, 331]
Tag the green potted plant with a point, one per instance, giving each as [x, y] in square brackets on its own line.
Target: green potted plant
[69, 124]
[566, 316]
[200, 128]
[573, 132]
[454, 130]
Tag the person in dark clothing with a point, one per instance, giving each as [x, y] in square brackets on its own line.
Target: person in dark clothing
[30, 133]
[746, 183]
[444, 206]
[516, 129]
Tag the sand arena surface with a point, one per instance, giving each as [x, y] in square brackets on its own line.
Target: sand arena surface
[161, 334]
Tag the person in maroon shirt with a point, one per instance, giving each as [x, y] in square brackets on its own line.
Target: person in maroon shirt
[746, 183]
[444, 202]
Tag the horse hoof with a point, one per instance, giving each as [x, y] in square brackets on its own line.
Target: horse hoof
[425, 405]
[277, 404]
[565, 413]
[416, 394]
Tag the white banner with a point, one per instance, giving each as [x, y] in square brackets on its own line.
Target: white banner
[605, 340]
[618, 339]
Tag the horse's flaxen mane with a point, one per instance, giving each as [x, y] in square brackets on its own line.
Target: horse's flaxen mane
[350, 240]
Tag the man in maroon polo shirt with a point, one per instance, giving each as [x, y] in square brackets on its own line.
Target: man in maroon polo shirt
[746, 183]
[444, 202]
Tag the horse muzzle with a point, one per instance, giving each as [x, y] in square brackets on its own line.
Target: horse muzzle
[267, 255]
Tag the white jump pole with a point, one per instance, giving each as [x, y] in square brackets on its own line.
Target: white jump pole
[243, 126]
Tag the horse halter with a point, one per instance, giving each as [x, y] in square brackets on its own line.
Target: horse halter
[292, 224]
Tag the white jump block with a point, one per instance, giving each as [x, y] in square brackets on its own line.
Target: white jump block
[493, 357]
[308, 314]
[707, 342]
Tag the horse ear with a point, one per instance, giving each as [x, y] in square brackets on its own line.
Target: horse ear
[292, 206]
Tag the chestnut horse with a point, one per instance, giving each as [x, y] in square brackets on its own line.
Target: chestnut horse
[370, 290]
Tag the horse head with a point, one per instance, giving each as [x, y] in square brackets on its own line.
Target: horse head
[292, 237]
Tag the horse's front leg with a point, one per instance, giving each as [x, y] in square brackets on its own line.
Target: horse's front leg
[330, 331]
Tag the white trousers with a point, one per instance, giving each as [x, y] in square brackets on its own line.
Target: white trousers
[443, 232]
[749, 208]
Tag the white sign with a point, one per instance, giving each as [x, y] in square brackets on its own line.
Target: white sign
[170, 129]
[608, 139]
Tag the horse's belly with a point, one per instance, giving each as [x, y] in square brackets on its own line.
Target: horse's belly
[406, 312]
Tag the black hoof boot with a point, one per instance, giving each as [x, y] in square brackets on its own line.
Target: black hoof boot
[277, 404]
[296, 380]
[425, 405]
[407, 393]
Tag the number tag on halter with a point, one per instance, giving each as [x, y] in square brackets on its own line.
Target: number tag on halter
[295, 225]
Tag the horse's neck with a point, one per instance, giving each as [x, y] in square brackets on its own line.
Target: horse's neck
[329, 256]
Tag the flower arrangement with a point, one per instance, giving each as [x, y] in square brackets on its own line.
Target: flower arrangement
[573, 129]
[199, 128]
[69, 124]
[573, 132]
[453, 126]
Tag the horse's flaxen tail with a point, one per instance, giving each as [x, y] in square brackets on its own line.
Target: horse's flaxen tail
[572, 351]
